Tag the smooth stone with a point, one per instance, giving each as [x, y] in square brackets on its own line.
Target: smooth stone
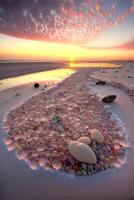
[22, 154]
[97, 136]
[40, 149]
[82, 152]
[36, 85]
[85, 140]
[11, 147]
[33, 165]
[84, 166]
[102, 157]
[100, 82]
[109, 98]
[97, 167]
[71, 160]
[8, 141]
[42, 162]
[84, 173]
[56, 164]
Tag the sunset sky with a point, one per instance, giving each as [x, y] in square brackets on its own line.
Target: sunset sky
[67, 29]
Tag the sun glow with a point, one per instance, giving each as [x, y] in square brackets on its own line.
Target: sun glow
[15, 48]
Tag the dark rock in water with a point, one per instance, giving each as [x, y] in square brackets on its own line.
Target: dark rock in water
[36, 85]
[100, 83]
[129, 77]
[109, 98]
[103, 71]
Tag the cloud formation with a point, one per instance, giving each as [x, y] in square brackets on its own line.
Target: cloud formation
[70, 21]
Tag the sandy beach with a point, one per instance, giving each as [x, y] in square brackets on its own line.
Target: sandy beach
[51, 179]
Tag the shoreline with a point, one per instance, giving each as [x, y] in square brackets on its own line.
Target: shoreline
[73, 103]
[9, 70]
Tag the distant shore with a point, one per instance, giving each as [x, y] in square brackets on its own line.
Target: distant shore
[8, 70]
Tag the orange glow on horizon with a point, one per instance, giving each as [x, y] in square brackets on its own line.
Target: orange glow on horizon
[14, 48]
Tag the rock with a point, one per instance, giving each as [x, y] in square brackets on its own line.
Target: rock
[84, 173]
[97, 167]
[101, 157]
[82, 152]
[100, 82]
[17, 94]
[85, 140]
[36, 85]
[56, 164]
[33, 165]
[97, 136]
[109, 98]
[106, 166]
[11, 147]
[90, 167]
[8, 141]
[76, 136]
[40, 149]
[84, 166]
[42, 162]
[71, 160]
[22, 154]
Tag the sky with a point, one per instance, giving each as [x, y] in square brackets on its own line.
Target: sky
[67, 29]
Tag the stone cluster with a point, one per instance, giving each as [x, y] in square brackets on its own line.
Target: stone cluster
[66, 128]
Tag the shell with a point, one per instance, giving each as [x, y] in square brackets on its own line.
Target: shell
[97, 136]
[85, 140]
[82, 152]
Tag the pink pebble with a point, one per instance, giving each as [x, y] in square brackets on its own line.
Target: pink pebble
[42, 162]
[56, 164]
[11, 147]
[40, 149]
[33, 165]
[8, 141]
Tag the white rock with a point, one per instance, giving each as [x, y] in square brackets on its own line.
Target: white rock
[85, 140]
[97, 136]
[82, 152]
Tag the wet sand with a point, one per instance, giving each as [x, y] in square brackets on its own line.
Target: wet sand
[13, 69]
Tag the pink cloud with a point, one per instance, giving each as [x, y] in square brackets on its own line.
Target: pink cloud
[126, 46]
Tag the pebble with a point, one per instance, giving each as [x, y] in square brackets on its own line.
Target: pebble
[8, 141]
[42, 162]
[106, 165]
[84, 173]
[97, 136]
[33, 165]
[56, 164]
[36, 85]
[97, 167]
[101, 157]
[84, 166]
[85, 140]
[11, 147]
